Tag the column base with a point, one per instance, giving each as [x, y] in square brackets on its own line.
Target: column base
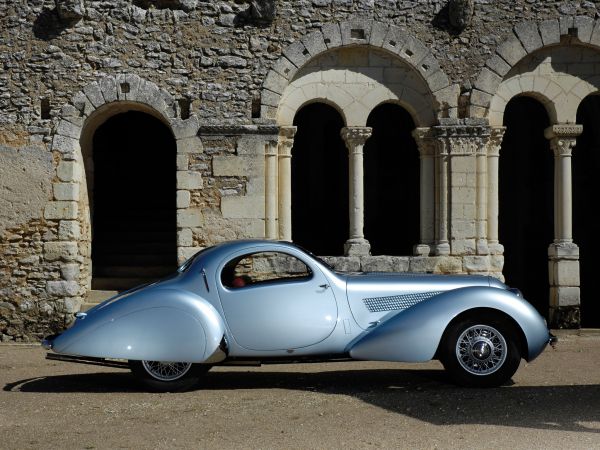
[442, 249]
[565, 317]
[495, 248]
[422, 250]
[482, 247]
[357, 247]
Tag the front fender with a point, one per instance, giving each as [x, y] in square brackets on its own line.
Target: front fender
[413, 335]
[157, 325]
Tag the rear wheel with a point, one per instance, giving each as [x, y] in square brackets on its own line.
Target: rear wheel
[166, 376]
[480, 351]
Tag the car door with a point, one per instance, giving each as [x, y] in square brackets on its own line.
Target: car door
[275, 300]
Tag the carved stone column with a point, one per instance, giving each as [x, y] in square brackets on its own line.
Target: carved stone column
[286, 142]
[442, 246]
[563, 252]
[355, 138]
[493, 152]
[426, 144]
[271, 188]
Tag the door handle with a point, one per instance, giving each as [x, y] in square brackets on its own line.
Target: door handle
[323, 286]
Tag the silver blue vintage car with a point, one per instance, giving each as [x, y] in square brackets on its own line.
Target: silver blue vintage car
[256, 302]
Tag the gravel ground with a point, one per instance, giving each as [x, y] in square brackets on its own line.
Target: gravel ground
[553, 403]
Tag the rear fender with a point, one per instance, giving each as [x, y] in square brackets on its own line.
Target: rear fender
[157, 325]
[413, 335]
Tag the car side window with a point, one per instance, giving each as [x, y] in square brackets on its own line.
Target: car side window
[263, 267]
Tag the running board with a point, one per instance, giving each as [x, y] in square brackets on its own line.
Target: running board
[87, 360]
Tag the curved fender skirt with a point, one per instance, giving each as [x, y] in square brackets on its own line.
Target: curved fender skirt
[413, 335]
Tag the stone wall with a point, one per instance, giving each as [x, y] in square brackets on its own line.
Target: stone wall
[201, 67]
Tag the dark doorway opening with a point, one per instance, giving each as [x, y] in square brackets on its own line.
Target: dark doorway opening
[320, 220]
[526, 191]
[391, 164]
[134, 237]
[586, 191]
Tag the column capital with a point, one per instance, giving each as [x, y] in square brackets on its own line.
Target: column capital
[425, 140]
[495, 141]
[355, 136]
[286, 141]
[563, 137]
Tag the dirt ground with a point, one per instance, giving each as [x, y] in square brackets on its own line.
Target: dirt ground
[554, 403]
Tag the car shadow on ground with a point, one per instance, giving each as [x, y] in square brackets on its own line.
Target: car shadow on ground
[421, 394]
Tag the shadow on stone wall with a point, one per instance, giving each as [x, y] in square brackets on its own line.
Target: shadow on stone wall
[47, 25]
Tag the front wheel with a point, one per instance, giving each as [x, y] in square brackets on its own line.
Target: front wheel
[163, 376]
[480, 351]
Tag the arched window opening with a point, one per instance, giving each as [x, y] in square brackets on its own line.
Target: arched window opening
[526, 186]
[586, 188]
[391, 164]
[134, 211]
[319, 181]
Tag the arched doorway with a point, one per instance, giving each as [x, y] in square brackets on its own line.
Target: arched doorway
[319, 181]
[133, 207]
[526, 186]
[391, 161]
[586, 188]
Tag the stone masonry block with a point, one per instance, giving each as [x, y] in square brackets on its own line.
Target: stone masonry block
[585, 26]
[378, 33]
[94, 94]
[343, 263]
[448, 96]
[128, 85]
[190, 218]
[511, 50]
[69, 230]
[246, 207]
[83, 104]
[528, 34]
[332, 36]
[185, 128]
[355, 32]
[69, 171]
[314, 43]
[595, 37]
[480, 98]
[65, 145]
[108, 87]
[60, 210]
[488, 81]
[414, 50]
[394, 39]
[476, 263]
[549, 32]
[268, 112]
[297, 53]
[275, 82]
[62, 288]
[285, 68]
[151, 95]
[565, 296]
[564, 273]
[269, 98]
[498, 65]
[65, 128]
[428, 67]
[437, 80]
[463, 246]
[189, 145]
[565, 22]
[230, 166]
[69, 272]
[66, 191]
[189, 180]
[384, 264]
[53, 251]
[183, 162]
[183, 199]
[185, 238]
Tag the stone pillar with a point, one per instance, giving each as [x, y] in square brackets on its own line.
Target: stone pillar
[271, 187]
[442, 246]
[563, 253]
[426, 145]
[286, 142]
[493, 152]
[355, 138]
[481, 201]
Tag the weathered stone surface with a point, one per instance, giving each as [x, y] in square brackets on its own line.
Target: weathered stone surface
[332, 35]
[585, 26]
[66, 191]
[69, 230]
[69, 171]
[190, 145]
[344, 264]
[66, 251]
[550, 32]
[70, 272]
[511, 51]
[460, 13]
[498, 65]
[189, 180]
[528, 34]
[190, 218]
[488, 81]
[384, 264]
[62, 288]
[61, 210]
[183, 199]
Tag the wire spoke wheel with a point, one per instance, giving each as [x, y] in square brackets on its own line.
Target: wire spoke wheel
[166, 371]
[481, 350]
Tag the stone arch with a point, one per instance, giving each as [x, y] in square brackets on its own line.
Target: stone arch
[533, 61]
[373, 36]
[89, 108]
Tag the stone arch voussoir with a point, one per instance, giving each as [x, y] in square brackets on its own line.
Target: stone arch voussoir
[375, 34]
[524, 39]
